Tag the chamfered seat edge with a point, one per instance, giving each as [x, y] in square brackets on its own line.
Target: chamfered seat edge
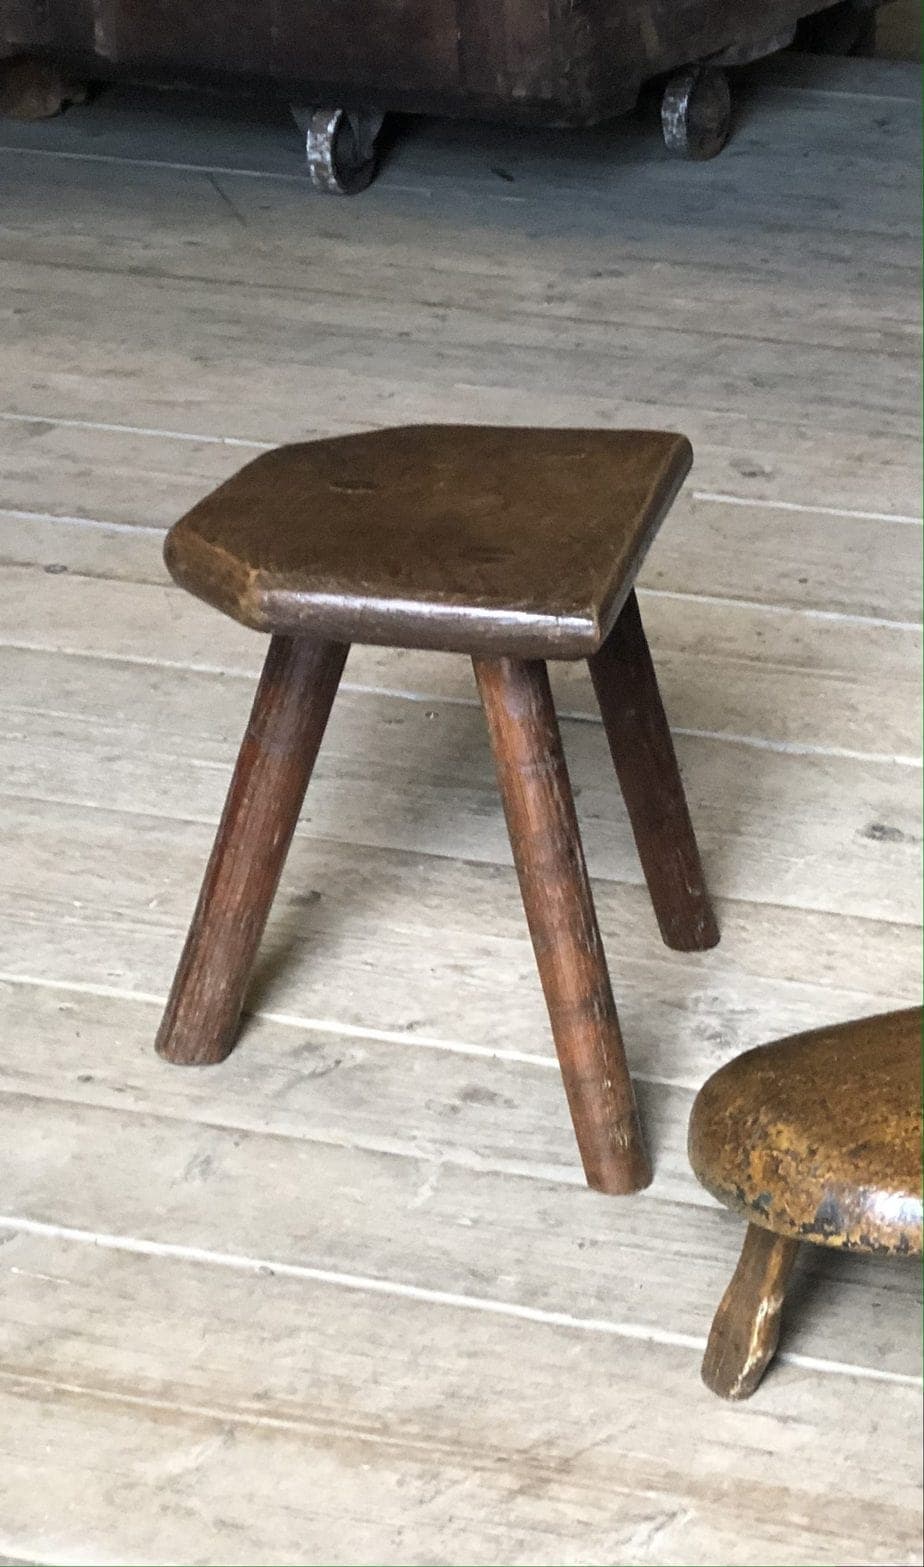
[279, 603]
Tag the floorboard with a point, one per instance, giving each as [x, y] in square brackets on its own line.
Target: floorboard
[774, 677]
[345, 1298]
[188, 1441]
[151, 742]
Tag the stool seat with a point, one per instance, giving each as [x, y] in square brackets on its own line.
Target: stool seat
[815, 1138]
[819, 1136]
[476, 539]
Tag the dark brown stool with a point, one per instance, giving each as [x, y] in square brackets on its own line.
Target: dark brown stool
[815, 1138]
[514, 546]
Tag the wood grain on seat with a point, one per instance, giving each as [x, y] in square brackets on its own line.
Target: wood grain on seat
[815, 1138]
[476, 539]
[818, 1137]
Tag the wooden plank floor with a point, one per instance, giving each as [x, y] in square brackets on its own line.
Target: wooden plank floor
[344, 1299]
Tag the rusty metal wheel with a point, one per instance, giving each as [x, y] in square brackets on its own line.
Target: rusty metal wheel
[340, 148]
[696, 113]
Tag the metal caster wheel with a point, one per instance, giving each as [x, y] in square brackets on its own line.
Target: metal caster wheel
[340, 148]
[696, 113]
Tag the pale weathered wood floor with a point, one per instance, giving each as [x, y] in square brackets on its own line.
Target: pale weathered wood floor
[344, 1299]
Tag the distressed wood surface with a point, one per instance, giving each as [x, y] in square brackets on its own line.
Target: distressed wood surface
[391, 536]
[645, 762]
[775, 677]
[53, 309]
[746, 1327]
[241, 1421]
[831, 1124]
[118, 491]
[820, 832]
[273, 768]
[350, 940]
[538, 803]
[386, 1160]
[739, 439]
[757, 496]
[814, 1139]
[505, 1242]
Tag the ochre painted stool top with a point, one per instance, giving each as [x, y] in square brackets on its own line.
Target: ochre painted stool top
[480, 540]
[818, 1137]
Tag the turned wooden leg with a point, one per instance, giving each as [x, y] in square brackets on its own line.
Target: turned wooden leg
[287, 722]
[746, 1327]
[643, 754]
[556, 892]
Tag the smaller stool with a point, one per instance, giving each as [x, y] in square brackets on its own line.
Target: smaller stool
[513, 546]
[815, 1138]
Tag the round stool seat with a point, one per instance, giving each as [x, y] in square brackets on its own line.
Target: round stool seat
[818, 1137]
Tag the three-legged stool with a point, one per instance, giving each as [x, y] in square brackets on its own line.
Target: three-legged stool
[514, 546]
[814, 1138]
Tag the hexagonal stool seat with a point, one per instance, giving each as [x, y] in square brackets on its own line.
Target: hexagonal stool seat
[815, 1138]
[514, 546]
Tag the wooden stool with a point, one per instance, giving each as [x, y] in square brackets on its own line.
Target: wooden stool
[513, 546]
[816, 1138]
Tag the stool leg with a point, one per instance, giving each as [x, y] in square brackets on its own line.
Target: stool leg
[746, 1327]
[643, 754]
[546, 844]
[287, 722]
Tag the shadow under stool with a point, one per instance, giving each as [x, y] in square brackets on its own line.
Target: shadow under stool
[814, 1138]
[514, 546]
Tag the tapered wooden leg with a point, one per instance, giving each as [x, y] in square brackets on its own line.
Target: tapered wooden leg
[746, 1327]
[549, 859]
[646, 766]
[287, 722]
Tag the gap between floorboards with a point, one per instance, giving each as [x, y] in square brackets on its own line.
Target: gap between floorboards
[719, 497]
[352, 1281]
